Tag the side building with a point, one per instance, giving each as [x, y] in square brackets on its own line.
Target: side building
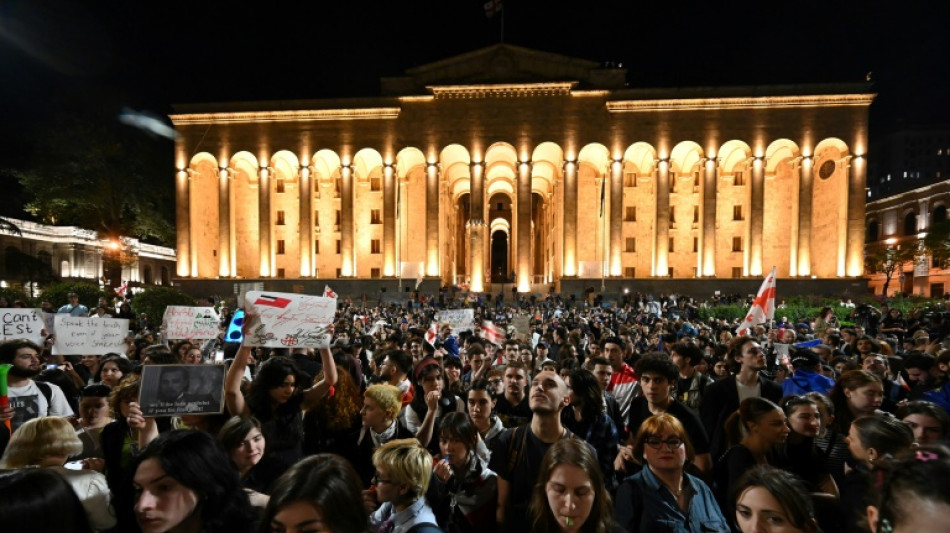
[514, 164]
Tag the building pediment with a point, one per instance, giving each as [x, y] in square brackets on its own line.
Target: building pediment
[504, 64]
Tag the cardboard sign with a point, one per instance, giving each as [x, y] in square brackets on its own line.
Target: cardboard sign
[461, 319]
[90, 336]
[173, 390]
[18, 323]
[522, 324]
[183, 322]
[289, 320]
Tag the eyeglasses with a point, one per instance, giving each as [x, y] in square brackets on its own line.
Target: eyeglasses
[656, 442]
[377, 480]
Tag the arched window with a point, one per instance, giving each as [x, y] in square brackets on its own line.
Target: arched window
[910, 223]
[873, 231]
[164, 275]
[939, 215]
[147, 275]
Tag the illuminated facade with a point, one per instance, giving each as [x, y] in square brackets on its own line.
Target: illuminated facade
[508, 160]
[903, 220]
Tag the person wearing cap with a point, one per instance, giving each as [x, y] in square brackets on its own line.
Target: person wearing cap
[73, 308]
[807, 376]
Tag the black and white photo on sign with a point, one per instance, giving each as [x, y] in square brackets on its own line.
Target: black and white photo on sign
[172, 390]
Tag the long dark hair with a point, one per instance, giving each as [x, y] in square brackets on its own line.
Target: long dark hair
[587, 394]
[39, 499]
[577, 453]
[196, 460]
[903, 484]
[786, 488]
[271, 375]
[750, 411]
[329, 483]
[850, 380]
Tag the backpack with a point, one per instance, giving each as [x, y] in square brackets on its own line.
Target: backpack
[47, 393]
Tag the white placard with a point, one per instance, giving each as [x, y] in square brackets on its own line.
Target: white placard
[17, 323]
[290, 320]
[184, 322]
[461, 319]
[90, 336]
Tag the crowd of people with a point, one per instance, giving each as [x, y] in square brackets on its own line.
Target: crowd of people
[637, 416]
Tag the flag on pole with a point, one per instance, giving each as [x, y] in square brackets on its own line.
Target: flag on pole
[763, 307]
[328, 292]
[432, 333]
[492, 333]
[492, 8]
[122, 289]
[603, 190]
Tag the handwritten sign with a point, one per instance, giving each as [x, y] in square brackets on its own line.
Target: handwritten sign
[183, 322]
[90, 336]
[173, 390]
[461, 319]
[18, 323]
[522, 324]
[290, 320]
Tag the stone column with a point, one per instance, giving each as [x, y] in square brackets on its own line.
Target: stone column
[225, 256]
[476, 226]
[432, 219]
[305, 191]
[615, 267]
[347, 252]
[708, 239]
[569, 222]
[805, 178]
[389, 219]
[661, 244]
[265, 227]
[182, 222]
[523, 226]
[857, 198]
[756, 217]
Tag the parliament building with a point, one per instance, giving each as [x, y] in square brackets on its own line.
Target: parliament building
[511, 165]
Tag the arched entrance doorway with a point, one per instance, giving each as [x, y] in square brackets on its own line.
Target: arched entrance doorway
[499, 256]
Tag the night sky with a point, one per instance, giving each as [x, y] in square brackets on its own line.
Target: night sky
[102, 55]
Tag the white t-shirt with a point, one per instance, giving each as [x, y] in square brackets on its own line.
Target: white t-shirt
[748, 392]
[29, 402]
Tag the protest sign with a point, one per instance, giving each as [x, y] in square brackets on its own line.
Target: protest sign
[90, 335]
[461, 319]
[16, 323]
[183, 322]
[287, 320]
[522, 325]
[172, 390]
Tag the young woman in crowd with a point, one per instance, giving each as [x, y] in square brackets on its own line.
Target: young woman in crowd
[185, 482]
[276, 399]
[463, 492]
[856, 393]
[662, 494]
[570, 495]
[429, 405]
[911, 493]
[37, 499]
[764, 427]
[929, 422]
[245, 444]
[586, 418]
[320, 493]
[329, 426]
[772, 500]
[870, 439]
[799, 455]
[93, 418]
[481, 408]
[48, 442]
[112, 369]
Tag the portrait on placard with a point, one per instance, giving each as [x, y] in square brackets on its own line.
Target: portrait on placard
[173, 390]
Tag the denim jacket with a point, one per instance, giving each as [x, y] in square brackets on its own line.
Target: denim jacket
[644, 504]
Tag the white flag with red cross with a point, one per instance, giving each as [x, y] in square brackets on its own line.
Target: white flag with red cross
[763, 307]
[328, 292]
[492, 333]
[432, 333]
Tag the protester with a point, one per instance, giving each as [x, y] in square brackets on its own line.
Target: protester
[570, 495]
[38, 499]
[769, 499]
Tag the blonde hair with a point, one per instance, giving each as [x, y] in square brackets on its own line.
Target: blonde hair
[38, 439]
[406, 463]
[386, 396]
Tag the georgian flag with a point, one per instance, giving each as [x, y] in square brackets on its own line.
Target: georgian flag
[121, 289]
[272, 301]
[432, 333]
[492, 333]
[328, 292]
[763, 307]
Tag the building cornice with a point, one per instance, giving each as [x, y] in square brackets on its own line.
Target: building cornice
[510, 90]
[307, 115]
[908, 197]
[763, 102]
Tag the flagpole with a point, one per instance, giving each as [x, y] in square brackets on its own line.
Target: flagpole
[603, 239]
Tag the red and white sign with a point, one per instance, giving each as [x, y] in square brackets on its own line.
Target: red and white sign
[286, 320]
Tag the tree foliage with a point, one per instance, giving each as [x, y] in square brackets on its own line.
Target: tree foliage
[101, 175]
[937, 243]
[888, 259]
[57, 293]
